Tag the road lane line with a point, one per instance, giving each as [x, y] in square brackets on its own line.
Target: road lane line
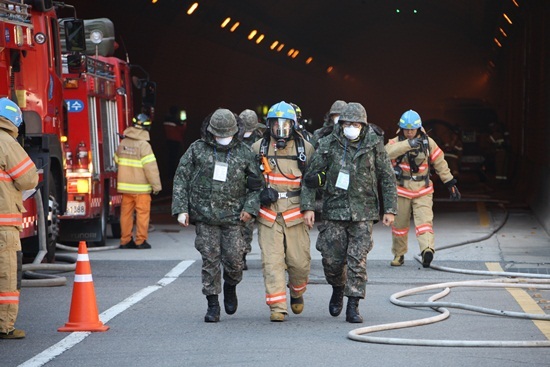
[483, 214]
[76, 337]
[526, 302]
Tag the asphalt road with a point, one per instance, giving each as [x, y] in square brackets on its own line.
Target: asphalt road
[152, 302]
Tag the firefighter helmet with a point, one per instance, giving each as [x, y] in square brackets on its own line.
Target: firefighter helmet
[282, 110]
[250, 120]
[11, 111]
[337, 107]
[222, 123]
[281, 119]
[410, 120]
[354, 112]
[142, 121]
[298, 111]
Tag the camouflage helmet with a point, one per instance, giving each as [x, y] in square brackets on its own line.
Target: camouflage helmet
[354, 112]
[250, 120]
[222, 123]
[337, 107]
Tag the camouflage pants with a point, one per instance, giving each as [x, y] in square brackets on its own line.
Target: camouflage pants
[219, 246]
[248, 233]
[344, 247]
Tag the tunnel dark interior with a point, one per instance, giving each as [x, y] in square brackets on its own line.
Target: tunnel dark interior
[480, 66]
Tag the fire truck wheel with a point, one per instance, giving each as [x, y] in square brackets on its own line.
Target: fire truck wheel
[52, 221]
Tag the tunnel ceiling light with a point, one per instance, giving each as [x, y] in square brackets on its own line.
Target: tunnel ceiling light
[295, 53]
[273, 45]
[280, 48]
[497, 42]
[502, 32]
[154, 1]
[515, 3]
[329, 69]
[397, 11]
[235, 26]
[260, 38]
[309, 60]
[252, 34]
[289, 53]
[507, 19]
[225, 22]
[415, 11]
[192, 8]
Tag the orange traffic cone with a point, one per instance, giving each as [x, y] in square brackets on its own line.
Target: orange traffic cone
[83, 315]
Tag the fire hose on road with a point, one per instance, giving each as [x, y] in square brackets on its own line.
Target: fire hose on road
[522, 280]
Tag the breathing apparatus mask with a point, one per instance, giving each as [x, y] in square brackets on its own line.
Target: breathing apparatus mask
[281, 130]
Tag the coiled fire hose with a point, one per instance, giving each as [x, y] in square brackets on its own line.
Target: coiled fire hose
[524, 281]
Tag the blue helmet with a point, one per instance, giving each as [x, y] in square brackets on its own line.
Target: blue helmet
[11, 111]
[410, 120]
[282, 110]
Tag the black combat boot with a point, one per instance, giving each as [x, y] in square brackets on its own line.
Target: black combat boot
[352, 311]
[230, 301]
[213, 311]
[336, 301]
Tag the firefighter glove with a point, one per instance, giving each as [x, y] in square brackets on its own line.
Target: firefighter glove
[315, 180]
[453, 190]
[414, 142]
[268, 196]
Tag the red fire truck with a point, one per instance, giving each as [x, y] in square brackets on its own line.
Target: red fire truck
[30, 74]
[98, 94]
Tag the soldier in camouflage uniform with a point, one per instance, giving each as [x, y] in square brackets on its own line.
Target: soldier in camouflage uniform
[251, 135]
[349, 164]
[216, 188]
[331, 119]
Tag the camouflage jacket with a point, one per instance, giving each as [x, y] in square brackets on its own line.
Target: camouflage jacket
[368, 165]
[207, 200]
[256, 135]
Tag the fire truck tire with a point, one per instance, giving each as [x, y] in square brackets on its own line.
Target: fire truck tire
[52, 221]
[40, 5]
[103, 222]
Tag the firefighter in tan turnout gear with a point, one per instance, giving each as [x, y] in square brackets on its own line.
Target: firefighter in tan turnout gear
[138, 177]
[412, 153]
[17, 174]
[282, 233]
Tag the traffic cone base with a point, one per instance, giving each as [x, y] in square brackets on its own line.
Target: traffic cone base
[83, 315]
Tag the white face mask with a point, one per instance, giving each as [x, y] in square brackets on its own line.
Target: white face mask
[224, 141]
[247, 134]
[352, 132]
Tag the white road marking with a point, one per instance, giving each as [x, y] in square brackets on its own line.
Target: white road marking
[76, 337]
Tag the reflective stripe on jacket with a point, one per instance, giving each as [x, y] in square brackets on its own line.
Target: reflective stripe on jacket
[17, 174]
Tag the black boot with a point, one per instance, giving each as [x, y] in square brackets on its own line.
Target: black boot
[352, 311]
[336, 301]
[230, 301]
[213, 311]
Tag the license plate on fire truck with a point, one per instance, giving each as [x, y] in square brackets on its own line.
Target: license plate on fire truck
[76, 208]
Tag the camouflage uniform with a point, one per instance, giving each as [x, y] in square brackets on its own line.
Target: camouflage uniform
[345, 238]
[250, 120]
[215, 206]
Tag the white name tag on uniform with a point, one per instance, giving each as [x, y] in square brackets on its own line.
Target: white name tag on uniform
[220, 171]
[342, 182]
